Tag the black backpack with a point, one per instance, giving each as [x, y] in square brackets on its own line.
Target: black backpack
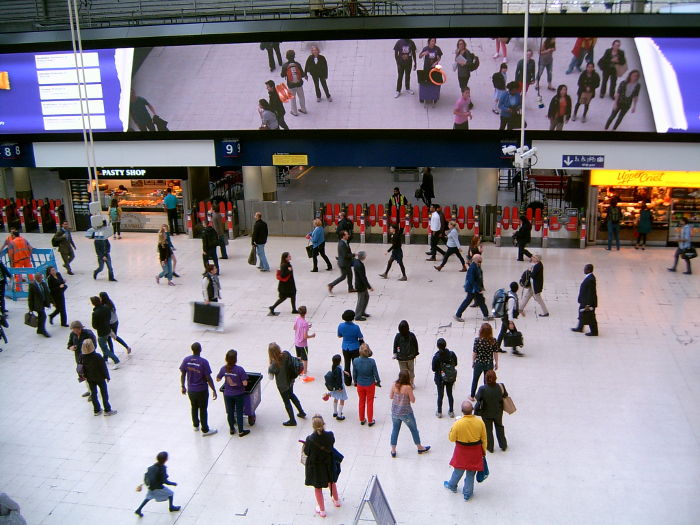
[55, 241]
[449, 372]
[294, 366]
[212, 237]
[526, 279]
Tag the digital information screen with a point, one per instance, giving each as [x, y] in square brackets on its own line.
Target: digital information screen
[573, 84]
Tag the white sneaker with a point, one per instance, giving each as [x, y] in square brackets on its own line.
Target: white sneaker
[116, 366]
[410, 92]
[397, 94]
[211, 432]
[505, 60]
[496, 55]
[110, 413]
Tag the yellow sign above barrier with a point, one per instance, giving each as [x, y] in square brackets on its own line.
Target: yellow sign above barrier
[670, 179]
[288, 159]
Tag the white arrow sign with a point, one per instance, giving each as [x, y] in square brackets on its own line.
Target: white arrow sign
[568, 161]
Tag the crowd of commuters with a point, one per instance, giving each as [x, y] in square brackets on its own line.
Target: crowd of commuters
[353, 368]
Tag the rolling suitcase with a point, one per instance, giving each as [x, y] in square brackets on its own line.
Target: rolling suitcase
[207, 314]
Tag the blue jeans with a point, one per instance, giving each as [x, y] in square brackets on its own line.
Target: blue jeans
[613, 231]
[167, 270]
[410, 421]
[101, 264]
[468, 481]
[260, 250]
[478, 298]
[478, 370]
[106, 350]
[234, 411]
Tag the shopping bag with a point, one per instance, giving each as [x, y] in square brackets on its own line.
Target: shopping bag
[253, 257]
[309, 251]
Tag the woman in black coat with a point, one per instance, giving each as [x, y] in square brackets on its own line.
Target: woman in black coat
[97, 375]
[322, 469]
[317, 67]
[406, 349]
[588, 82]
[444, 361]
[57, 287]
[286, 288]
[490, 405]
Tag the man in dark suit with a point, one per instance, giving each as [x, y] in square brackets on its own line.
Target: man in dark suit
[39, 298]
[344, 224]
[362, 286]
[587, 303]
[345, 257]
[474, 286]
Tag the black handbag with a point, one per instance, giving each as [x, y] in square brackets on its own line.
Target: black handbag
[309, 251]
[31, 319]
[690, 253]
[513, 339]
[253, 257]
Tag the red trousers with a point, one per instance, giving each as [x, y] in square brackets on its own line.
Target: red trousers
[366, 395]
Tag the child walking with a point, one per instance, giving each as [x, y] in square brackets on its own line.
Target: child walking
[336, 387]
[301, 336]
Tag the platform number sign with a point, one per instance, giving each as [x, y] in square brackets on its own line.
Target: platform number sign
[10, 151]
[228, 152]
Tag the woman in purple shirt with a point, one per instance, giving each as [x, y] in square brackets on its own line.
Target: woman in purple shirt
[234, 392]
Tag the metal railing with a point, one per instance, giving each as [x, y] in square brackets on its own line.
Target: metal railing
[25, 15]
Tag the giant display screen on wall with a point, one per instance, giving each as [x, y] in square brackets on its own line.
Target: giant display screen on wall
[646, 87]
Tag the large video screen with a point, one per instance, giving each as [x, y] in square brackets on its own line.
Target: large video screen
[572, 84]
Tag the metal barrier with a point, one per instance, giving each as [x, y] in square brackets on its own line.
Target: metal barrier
[18, 287]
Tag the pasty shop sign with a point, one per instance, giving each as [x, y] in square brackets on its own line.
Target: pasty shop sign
[671, 179]
[130, 172]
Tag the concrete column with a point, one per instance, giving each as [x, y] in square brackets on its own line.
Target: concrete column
[23, 186]
[269, 183]
[487, 186]
[252, 183]
[198, 182]
[3, 184]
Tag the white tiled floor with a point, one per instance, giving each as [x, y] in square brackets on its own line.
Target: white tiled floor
[606, 431]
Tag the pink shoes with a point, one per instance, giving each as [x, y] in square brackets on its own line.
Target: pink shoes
[321, 513]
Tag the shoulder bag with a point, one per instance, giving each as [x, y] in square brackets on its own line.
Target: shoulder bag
[309, 250]
[508, 405]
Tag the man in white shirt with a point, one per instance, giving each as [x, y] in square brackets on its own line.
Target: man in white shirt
[435, 232]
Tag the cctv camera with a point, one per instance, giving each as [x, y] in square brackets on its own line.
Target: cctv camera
[509, 150]
[528, 153]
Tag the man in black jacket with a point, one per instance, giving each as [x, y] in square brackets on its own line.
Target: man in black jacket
[101, 315]
[536, 286]
[276, 104]
[344, 224]
[344, 258]
[362, 286]
[210, 241]
[78, 334]
[587, 303]
[39, 298]
[66, 246]
[523, 237]
[258, 239]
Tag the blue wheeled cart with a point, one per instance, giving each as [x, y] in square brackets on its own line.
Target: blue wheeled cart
[253, 395]
[427, 91]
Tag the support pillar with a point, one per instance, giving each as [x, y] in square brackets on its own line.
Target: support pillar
[269, 183]
[252, 183]
[487, 186]
[23, 186]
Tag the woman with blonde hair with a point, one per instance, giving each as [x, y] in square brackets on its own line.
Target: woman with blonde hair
[97, 375]
[165, 254]
[318, 245]
[165, 230]
[366, 379]
[279, 369]
[484, 355]
[322, 467]
[401, 412]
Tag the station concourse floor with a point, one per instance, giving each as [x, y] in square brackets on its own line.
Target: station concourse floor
[607, 429]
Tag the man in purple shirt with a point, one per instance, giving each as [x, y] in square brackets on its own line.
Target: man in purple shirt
[198, 373]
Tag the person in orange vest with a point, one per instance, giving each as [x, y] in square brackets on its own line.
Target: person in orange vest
[20, 251]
